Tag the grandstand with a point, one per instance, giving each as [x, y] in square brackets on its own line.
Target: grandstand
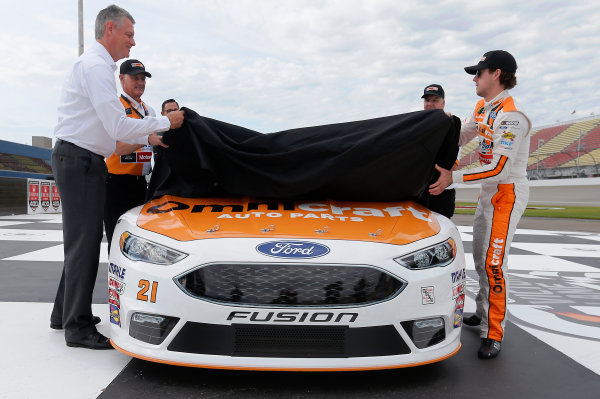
[23, 161]
[561, 150]
[18, 162]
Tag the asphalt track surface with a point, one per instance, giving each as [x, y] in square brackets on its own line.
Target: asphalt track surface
[557, 365]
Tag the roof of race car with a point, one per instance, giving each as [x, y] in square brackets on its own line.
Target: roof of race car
[187, 219]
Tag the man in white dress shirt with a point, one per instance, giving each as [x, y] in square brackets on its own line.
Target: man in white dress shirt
[90, 121]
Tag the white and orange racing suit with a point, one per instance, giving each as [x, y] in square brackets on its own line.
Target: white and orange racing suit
[503, 151]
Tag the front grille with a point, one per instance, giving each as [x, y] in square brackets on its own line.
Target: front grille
[288, 341]
[290, 284]
[297, 341]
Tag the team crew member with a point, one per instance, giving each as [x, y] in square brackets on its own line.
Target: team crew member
[128, 166]
[444, 204]
[503, 151]
[168, 106]
[90, 121]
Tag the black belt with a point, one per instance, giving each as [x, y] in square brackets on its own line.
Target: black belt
[126, 177]
[63, 142]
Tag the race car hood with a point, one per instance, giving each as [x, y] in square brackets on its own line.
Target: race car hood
[187, 219]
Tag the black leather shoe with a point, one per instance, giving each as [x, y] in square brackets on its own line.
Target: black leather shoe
[472, 320]
[489, 349]
[58, 326]
[93, 341]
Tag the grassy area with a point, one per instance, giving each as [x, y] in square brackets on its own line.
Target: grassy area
[547, 211]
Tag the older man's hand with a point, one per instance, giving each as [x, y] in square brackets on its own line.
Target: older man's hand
[155, 139]
[444, 181]
[176, 119]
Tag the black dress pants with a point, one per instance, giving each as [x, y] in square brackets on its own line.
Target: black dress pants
[80, 176]
[123, 192]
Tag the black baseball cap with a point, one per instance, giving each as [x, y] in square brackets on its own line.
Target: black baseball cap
[495, 59]
[433, 90]
[133, 67]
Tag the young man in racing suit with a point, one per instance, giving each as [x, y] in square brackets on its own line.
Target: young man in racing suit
[503, 131]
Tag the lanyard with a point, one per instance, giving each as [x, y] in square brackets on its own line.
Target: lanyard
[134, 108]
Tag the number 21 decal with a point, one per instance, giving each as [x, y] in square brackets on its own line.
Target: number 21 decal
[145, 285]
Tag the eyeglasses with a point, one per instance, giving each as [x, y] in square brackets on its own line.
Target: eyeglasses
[478, 73]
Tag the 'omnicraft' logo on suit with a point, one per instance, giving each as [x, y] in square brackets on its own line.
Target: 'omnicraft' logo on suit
[292, 249]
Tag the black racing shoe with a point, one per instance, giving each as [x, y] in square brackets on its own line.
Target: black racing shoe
[489, 349]
[472, 320]
[59, 326]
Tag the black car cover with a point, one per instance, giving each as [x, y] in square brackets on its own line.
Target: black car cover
[383, 159]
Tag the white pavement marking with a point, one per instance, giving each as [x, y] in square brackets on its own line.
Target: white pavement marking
[545, 263]
[594, 237]
[9, 223]
[57, 217]
[557, 249]
[583, 351]
[36, 362]
[465, 237]
[465, 229]
[55, 254]
[31, 235]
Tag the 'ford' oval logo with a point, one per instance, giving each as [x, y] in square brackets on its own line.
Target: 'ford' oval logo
[292, 249]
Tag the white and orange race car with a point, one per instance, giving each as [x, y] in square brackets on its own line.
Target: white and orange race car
[286, 285]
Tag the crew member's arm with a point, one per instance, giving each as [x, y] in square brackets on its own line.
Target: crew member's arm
[103, 95]
[468, 131]
[510, 129]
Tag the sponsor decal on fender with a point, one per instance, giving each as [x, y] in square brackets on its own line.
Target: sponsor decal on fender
[458, 310]
[117, 271]
[293, 249]
[114, 299]
[458, 290]
[114, 315]
[427, 295]
[460, 275]
[116, 285]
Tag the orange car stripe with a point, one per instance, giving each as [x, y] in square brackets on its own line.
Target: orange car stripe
[503, 202]
[484, 175]
[208, 366]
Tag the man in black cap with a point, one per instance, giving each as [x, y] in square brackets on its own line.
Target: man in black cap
[131, 162]
[503, 130]
[433, 97]
[444, 203]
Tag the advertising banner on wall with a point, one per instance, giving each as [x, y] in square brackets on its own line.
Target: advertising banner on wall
[33, 196]
[56, 204]
[42, 197]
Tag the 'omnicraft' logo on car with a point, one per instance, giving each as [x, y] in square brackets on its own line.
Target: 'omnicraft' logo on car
[292, 249]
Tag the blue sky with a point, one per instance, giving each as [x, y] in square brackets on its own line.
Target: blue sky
[274, 65]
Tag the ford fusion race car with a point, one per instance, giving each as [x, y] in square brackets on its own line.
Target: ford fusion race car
[286, 285]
